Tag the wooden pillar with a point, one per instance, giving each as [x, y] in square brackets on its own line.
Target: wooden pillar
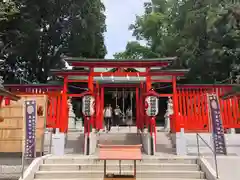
[7, 101]
[59, 110]
[91, 89]
[142, 107]
[148, 81]
[102, 107]
[175, 104]
[95, 123]
[1, 99]
[64, 120]
[148, 88]
[90, 80]
[137, 108]
[50, 112]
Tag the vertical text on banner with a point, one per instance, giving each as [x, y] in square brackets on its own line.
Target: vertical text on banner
[216, 124]
[30, 129]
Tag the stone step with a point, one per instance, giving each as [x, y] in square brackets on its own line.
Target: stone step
[159, 178]
[97, 174]
[124, 167]
[75, 160]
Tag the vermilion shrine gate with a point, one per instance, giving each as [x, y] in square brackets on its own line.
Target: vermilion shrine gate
[189, 101]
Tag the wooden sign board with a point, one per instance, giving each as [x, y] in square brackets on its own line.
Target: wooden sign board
[12, 129]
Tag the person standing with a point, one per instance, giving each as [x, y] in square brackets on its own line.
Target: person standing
[108, 117]
[117, 113]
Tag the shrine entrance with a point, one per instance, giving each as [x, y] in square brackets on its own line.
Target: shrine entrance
[125, 99]
[139, 76]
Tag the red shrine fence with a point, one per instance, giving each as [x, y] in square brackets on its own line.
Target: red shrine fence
[191, 104]
[193, 110]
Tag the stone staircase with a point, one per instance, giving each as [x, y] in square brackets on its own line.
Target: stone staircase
[119, 138]
[85, 168]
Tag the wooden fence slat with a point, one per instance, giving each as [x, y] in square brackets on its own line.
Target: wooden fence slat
[194, 112]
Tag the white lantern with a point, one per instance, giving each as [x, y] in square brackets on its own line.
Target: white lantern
[88, 105]
[152, 105]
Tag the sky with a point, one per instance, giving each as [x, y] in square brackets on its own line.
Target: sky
[119, 15]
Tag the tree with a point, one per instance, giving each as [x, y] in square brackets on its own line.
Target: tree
[42, 32]
[134, 50]
[203, 34]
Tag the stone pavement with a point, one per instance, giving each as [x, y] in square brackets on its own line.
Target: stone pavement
[228, 166]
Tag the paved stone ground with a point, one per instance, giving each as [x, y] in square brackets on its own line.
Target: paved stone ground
[228, 167]
[11, 166]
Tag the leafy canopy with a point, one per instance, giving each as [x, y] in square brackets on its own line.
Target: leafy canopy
[203, 34]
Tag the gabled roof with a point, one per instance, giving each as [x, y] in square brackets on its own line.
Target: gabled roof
[83, 62]
[80, 59]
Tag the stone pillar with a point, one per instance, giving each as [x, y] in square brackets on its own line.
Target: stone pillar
[79, 124]
[71, 116]
[181, 143]
[58, 143]
[169, 112]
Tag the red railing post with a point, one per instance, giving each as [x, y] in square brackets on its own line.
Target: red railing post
[178, 124]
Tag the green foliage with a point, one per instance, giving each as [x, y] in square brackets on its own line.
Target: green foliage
[35, 35]
[135, 50]
[203, 34]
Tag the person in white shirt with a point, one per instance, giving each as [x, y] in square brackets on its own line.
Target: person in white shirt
[108, 117]
[118, 114]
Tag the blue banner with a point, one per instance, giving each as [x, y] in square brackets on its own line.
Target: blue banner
[30, 129]
[216, 124]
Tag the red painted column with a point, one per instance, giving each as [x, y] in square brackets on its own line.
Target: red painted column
[142, 108]
[137, 108]
[175, 105]
[64, 120]
[7, 101]
[102, 107]
[148, 88]
[148, 81]
[91, 89]
[96, 106]
[1, 99]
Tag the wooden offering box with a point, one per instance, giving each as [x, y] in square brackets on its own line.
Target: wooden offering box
[120, 152]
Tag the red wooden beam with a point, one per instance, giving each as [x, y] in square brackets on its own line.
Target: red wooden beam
[119, 85]
[81, 94]
[116, 74]
[141, 74]
[165, 95]
[119, 73]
